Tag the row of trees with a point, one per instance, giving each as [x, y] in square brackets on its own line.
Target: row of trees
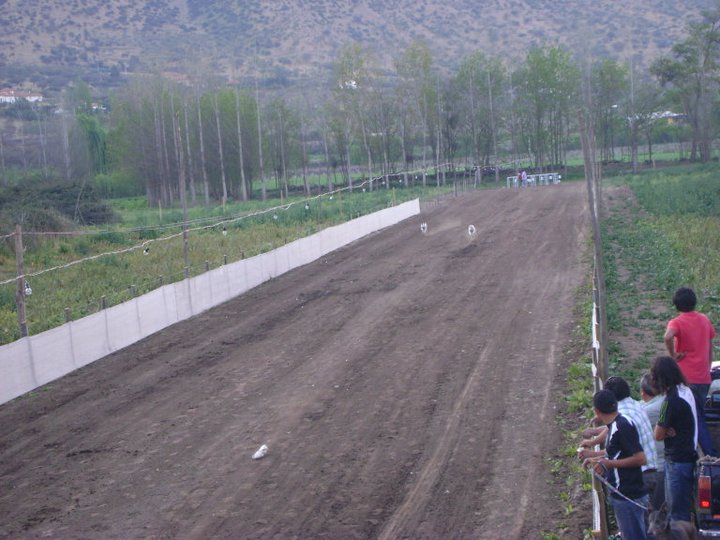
[367, 122]
[230, 142]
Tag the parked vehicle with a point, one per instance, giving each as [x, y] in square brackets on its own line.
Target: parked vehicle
[707, 500]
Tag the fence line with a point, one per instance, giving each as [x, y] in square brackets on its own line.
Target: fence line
[599, 317]
[33, 361]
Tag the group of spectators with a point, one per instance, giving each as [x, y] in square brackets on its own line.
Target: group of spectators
[650, 447]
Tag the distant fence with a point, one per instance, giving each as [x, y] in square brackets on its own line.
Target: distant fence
[533, 180]
[36, 360]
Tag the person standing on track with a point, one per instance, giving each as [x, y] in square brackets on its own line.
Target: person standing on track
[688, 339]
[622, 464]
[677, 427]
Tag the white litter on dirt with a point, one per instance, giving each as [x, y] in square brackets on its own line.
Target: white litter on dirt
[261, 452]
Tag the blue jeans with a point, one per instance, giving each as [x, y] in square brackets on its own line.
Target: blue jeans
[630, 517]
[700, 391]
[679, 489]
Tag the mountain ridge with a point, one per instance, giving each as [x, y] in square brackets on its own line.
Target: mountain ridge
[295, 39]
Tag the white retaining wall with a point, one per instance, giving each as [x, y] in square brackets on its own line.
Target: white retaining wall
[34, 361]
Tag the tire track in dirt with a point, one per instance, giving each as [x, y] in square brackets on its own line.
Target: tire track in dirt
[389, 379]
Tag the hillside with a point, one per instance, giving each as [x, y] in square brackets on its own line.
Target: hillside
[291, 39]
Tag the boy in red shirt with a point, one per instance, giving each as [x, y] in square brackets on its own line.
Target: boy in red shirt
[688, 339]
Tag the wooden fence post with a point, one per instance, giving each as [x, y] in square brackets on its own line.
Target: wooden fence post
[20, 291]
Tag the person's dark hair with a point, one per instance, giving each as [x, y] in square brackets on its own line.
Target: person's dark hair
[605, 401]
[618, 386]
[666, 374]
[684, 299]
[646, 385]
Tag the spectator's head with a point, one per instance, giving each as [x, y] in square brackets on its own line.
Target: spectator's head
[618, 386]
[647, 390]
[665, 374]
[605, 402]
[684, 299]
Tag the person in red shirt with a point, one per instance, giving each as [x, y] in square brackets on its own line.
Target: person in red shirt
[688, 339]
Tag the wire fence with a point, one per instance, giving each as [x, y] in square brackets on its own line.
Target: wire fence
[117, 265]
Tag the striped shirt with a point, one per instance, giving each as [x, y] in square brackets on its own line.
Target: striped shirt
[637, 416]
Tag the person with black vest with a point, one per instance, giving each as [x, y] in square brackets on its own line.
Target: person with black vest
[622, 467]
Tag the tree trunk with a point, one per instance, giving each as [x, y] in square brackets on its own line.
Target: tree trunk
[367, 150]
[260, 143]
[177, 137]
[220, 152]
[493, 130]
[306, 182]
[190, 175]
[347, 153]
[42, 132]
[438, 138]
[327, 161]
[424, 155]
[2, 162]
[160, 182]
[167, 188]
[243, 183]
[203, 163]
[404, 152]
[283, 163]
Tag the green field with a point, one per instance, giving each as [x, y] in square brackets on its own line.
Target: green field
[74, 275]
[665, 235]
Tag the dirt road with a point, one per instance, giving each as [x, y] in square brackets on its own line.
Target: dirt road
[406, 387]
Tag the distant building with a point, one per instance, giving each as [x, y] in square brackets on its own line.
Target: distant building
[670, 116]
[8, 95]
[179, 78]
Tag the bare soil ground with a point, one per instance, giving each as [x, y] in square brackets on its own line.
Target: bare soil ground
[406, 385]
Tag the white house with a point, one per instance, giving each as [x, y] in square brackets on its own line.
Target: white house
[8, 95]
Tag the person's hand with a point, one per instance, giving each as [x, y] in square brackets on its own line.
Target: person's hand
[679, 356]
[586, 443]
[670, 432]
[585, 453]
[599, 464]
[589, 433]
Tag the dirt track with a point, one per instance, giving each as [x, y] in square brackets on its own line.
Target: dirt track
[405, 385]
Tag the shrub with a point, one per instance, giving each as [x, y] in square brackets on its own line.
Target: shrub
[52, 206]
[116, 185]
[9, 327]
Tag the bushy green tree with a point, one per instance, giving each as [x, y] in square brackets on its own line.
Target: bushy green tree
[547, 98]
[692, 73]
